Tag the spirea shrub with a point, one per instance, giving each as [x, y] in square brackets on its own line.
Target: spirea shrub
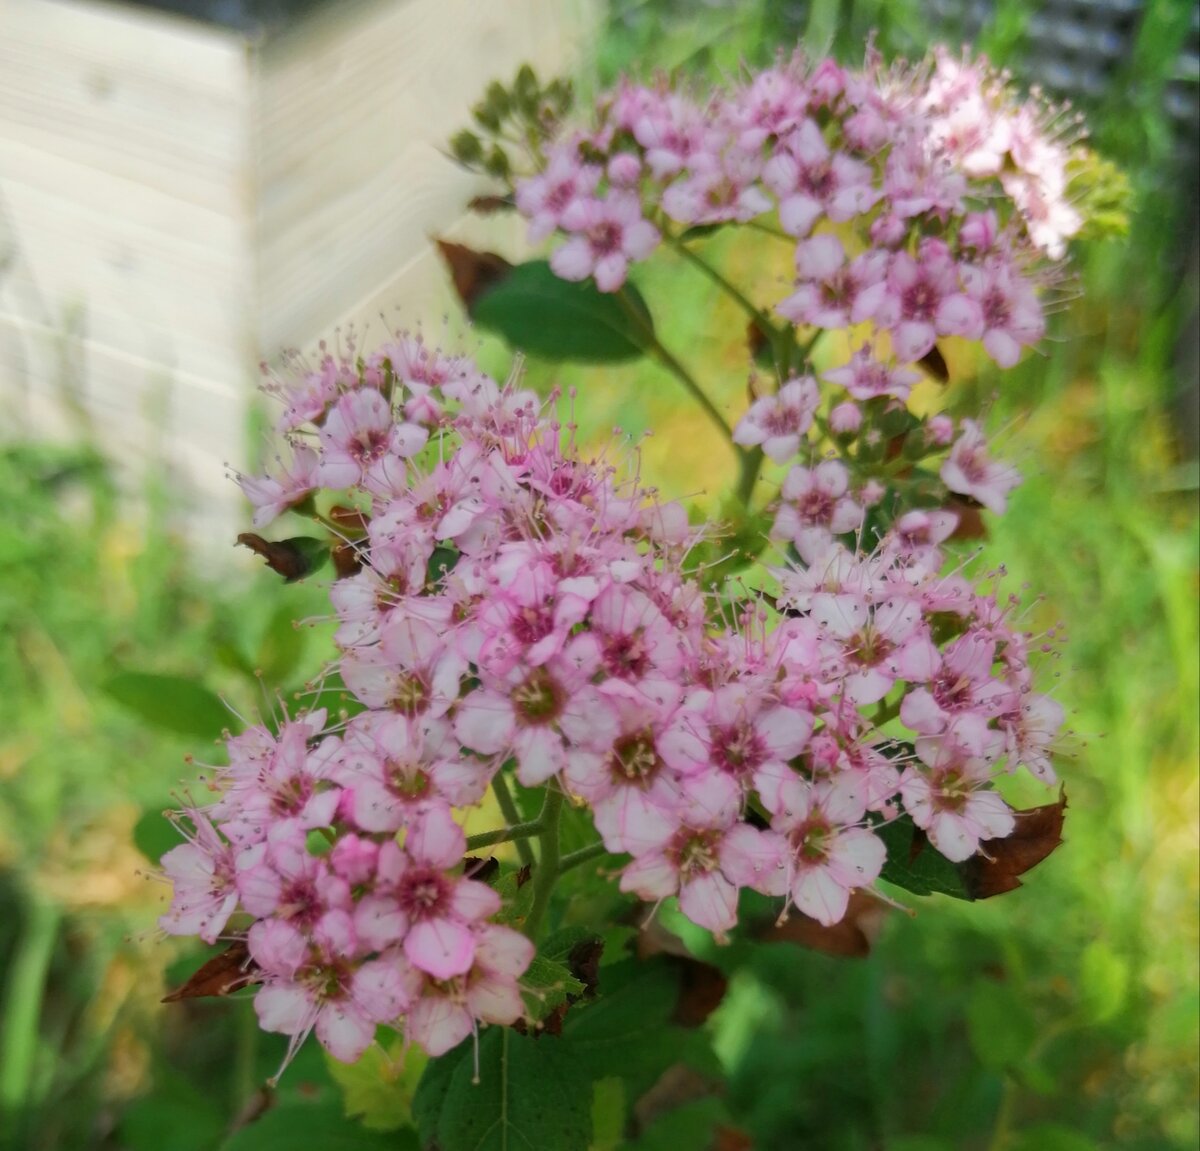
[523, 626]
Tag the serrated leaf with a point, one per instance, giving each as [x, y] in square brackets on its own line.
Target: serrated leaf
[547, 984]
[536, 312]
[170, 702]
[379, 1089]
[914, 864]
[529, 1093]
[627, 1029]
[515, 889]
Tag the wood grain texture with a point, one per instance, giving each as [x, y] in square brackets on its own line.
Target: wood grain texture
[177, 202]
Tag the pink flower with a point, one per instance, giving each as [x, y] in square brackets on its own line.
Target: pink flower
[828, 856]
[950, 800]
[970, 471]
[810, 181]
[544, 198]
[445, 1012]
[961, 684]
[815, 504]
[778, 422]
[272, 495]
[865, 377]
[829, 293]
[705, 866]
[204, 874]
[1012, 315]
[360, 440]
[608, 235]
[921, 300]
[538, 714]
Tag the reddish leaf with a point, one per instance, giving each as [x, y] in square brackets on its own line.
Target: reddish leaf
[480, 869]
[222, 975]
[293, 558]
[347, 559]
[472, 272]
[970, 518]
[851, 937]
[701, 985]
[1000, 862]
[350, 520]
[935, 364]
[583, 961]
[677, 1085]
[731, 1139]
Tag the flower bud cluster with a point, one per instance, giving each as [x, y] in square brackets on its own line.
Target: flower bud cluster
[511, 605]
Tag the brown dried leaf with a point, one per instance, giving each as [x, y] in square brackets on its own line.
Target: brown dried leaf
[677, 1085]
[293, 558]
[1000, 862]
[701, 985]
[347, 560]
[701, 989]
[221, 975]
[472, 272]
[935, 364]
[480, 869]
[852, 937]
[350, 520]
[583, 961]
[970, 519]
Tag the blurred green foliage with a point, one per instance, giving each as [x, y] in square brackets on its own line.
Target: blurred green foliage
[1059, 1017]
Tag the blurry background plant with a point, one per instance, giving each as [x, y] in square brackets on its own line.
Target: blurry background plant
[1061, 1017]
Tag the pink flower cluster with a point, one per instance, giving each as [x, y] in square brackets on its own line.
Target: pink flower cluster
[519, 608]
[955, 193]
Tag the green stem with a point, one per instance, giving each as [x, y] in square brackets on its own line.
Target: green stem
[749, 465]
[26, 985]
[508, 808]
[652, 344]
[516, 833]
[575, 858]
[732, 291]
[545, 874]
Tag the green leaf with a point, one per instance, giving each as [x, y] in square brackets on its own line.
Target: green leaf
[529, 1094]
[1103, 982]
[924, 871]
[627, 1030]
[379, 1088]
[608, 1114]
[546, 984]
[1050, 1137]
[292, 1126]
[555, 319]
[1000, 1026]
[154, 834]
[689, 1125]
[176, 1115]
[171, 702]
[517, 896]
